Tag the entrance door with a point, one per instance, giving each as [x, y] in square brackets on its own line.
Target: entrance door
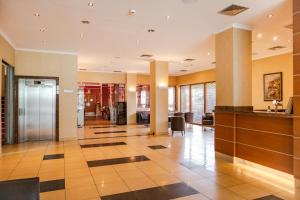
[37, 109]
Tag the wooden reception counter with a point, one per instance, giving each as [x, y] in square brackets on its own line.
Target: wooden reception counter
[260, 137]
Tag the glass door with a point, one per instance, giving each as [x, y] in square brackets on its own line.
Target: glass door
[185, 98]
[197, 99]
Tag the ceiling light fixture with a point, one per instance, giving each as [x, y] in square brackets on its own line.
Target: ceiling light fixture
[36, 14]
[91, 4]
[208, 53]
[117, 71]
[270, 16]
[85, 22]
[275, 38]
[151, 30]
[81, 35]
[131, 12]
[42, 30]
[259, 35]
[168, 17]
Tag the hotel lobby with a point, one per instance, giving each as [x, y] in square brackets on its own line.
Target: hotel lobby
[150, 100]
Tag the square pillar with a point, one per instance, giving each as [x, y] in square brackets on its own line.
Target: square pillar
[159, 73]
[131, 83]
[296, 16]
[234, 84]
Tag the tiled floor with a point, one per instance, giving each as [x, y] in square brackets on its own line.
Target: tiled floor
[124, 167]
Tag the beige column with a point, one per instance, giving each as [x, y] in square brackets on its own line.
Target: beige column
[131, 81]
[159, 97]
[234, 84]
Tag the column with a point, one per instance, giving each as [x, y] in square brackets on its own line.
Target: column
[296, 40]
[159, 97]
[234, 84]
[131, 83]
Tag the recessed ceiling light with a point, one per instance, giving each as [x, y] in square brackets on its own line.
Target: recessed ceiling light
[91, 4]
[151, 30]
[259, 35]
[36, 14]
[85, 22]
[168, 17]
[81, 35]
[270, 15]
[42, 30]
[289, 41]
[131, 12]
[275, 38]
[208, 54]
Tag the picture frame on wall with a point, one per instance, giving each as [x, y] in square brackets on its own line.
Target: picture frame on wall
[273, 86]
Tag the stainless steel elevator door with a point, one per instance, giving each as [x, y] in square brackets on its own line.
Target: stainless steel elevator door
[37, 109]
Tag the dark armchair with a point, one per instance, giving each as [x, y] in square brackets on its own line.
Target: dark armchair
[208, 119]
[189, 117]
[178, 124]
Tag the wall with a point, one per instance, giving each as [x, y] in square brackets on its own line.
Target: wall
[282, 63]
[56, 65]
[131, 82]
[198, 77]
[7, 52]
[101, 77]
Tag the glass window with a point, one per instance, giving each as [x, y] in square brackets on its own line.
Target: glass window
[143, 97]
[198, 102]
[185, 98]
[171, 98]
[210, 96]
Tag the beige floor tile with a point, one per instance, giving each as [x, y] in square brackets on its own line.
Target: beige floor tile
[46, 176]
[114, 187]
[193, 197]
[249, 191]
[125, 167]
[79, 182]
[132, 174]
[53, 195]
[82, 193]
[227, 181]
[139, 183]
[164, 179]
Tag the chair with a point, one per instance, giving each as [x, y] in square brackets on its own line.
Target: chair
[179, 114]
[178, 124]
[189, 117]
[208, 120]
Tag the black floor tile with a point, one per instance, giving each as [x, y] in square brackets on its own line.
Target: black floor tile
[48, 186]
[108, 126]
[179, 190]
[20, 189]
[121, 136]
[155, 147]
[156, 193]
[102, 144]
[122, 196]
[270, 197]
[108, 132]
[115, 161]
[53, 156]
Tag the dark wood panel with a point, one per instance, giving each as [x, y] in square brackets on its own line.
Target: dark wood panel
[296, 26]
[224, 147]
[269, 141]
[226, 119]
[297, 105]
[297, 147]
[297, 43]
[297, 127]
[264, 123]
[297, 64]
[267, 158]
[226, 133]
[297, 168]
[296, 85]
[296, 6]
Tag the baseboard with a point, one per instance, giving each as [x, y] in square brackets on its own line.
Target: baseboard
[224, 157]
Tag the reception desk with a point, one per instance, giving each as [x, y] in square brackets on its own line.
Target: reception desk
[260, 137]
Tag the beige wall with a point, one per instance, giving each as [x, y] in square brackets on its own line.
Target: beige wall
[7, 52]
[101, 77]
[131, 82]
[198, 77]
[282, 63]
[56, 65]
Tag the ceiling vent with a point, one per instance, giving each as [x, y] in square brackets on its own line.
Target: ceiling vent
[82, 69]
[233, 10]
[214, 62]
[290, 26]
[276, 48]
[146, 56]
[184, 70]
[117, 71]
[189, 60]
[85, 22]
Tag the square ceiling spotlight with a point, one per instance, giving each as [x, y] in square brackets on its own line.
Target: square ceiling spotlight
[233, 10]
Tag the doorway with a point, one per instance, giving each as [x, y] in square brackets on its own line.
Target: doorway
[37, 115]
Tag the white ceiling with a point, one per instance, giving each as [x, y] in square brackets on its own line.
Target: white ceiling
[189, 33]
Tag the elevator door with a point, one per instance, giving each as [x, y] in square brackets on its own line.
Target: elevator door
[37, 109]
